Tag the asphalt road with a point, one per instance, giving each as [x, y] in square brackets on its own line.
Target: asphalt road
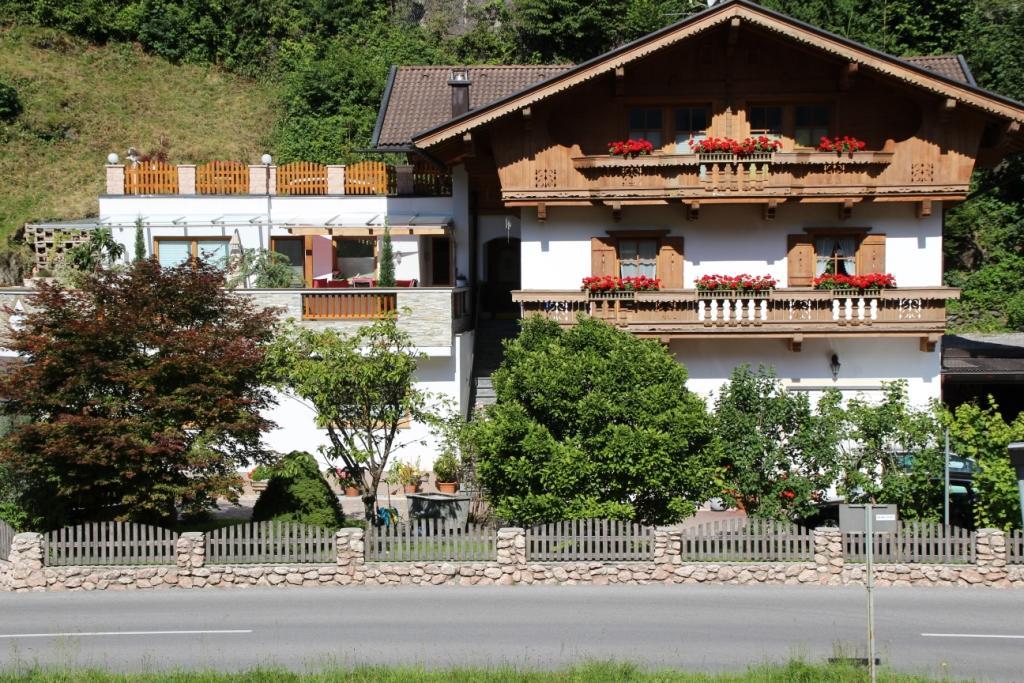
[977, 634]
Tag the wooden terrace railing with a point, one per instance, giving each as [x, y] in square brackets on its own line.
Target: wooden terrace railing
[367, 178]
[302, 178]
[782, 312]
[222, 177]
[348, 305]
[151, 178]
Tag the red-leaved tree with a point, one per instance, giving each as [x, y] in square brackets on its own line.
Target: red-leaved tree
[139, 397]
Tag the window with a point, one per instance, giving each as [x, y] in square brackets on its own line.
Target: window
[691, 123]
[638, 257]
[173, 252]
[292, 249]
[835, 254]
[355, 257]
[766, 120]
[811, 124]
[645, 122]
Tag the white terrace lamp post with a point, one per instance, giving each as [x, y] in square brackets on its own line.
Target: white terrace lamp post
[1017, 460]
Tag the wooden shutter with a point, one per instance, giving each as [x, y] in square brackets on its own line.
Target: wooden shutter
[871, 255]
[603, 260]
[670, 262]
[801, 260]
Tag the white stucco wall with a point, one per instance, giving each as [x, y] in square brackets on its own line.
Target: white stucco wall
[726, 239]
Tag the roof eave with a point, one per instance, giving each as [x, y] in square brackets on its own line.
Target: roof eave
[385, 100]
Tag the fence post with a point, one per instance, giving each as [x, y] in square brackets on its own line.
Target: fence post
[351, 550]
[115, 178]
[667, 546]
[262, 179]
[511, 546]
[335, 178]
[190, 550]
[828, 555]
[186, 178]
[28, 552]
[404, 185]
[991, 548]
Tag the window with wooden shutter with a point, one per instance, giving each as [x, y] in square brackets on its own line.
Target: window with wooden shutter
[603, 259]
[871, 255]
[800, 261]
[670, 262]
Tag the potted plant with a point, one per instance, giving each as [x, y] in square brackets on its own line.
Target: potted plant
[446, 471]
[346, 481]
[405, 474]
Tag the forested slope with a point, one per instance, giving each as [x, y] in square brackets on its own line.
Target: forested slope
[325, 61]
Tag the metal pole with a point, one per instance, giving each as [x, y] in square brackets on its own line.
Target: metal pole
[945, 490]
[869, 536]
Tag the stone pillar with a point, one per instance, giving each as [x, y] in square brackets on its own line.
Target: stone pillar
[258, 180]
[991, 548]
[28, 552]
[667, 546]
[191, 550]
[350, 550]
[335, 179]
[186, 178]
[404, 185]
[115, 178]
[511, 546]
[828, 555]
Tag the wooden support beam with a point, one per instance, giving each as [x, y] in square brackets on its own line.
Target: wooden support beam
[620, 80]
[467, 142]
[734, 36]
[616, 211]
[527, 118]
[847, 74]
[796, 343]
[924, 208]
[927, 343]
[846, 209]
[693, 211]
[769, 210]
[542, 212]
[946, 109]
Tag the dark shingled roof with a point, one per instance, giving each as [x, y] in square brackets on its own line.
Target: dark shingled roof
[951, 66]
[983, 354]
[419, 97]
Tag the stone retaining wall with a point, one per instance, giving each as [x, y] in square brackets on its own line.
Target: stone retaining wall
[25, 570]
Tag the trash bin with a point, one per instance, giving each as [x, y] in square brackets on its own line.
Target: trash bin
[453, 509]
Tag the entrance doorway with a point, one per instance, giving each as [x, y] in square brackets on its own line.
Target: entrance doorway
[502, 271]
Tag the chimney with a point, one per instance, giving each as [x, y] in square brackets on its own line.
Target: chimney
[459, 82]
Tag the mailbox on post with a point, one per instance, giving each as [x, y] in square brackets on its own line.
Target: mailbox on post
[886, 519]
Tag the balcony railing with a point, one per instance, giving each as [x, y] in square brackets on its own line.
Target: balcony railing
[784, 313]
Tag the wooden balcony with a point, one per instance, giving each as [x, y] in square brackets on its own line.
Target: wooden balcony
[794, 314]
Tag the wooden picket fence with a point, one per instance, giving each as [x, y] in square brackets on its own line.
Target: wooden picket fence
[302, 178]
[429, 181]
[222, 177]
[367, 178]
[747, 540]
[347, 306]
[612, 540]
[110, 543]
[431, 540]
[6, 539]
[914, 541]
[1015, 547]
[151, 177]
[265, 542]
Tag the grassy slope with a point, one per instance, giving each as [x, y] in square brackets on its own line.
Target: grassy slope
[82, 102]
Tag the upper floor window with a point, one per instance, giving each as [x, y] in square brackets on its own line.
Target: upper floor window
[836, 254]
[638, 257]
[691, 123]
[766, 120]
[646, 123]
[810, 124]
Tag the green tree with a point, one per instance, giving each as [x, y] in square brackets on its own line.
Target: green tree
[262, 269]
[387, 260]
[141, 392]
[982, 434]
[363, 388]
[779, 454]
[140, 240]
[592, 422]
[101, 250]
[298, 492]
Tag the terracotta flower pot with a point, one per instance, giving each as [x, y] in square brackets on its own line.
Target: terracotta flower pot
[411, 488]
[351, 491]
[447, 486]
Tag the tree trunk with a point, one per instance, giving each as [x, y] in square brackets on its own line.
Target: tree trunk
[369, 505]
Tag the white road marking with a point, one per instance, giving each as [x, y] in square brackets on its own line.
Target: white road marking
[969, 635]
[123, 633]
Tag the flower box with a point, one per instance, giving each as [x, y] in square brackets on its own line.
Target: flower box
[630, 148]
[841, 145]
[760, 148]
[855, 285]
[734, 286]
[855, 293]
[608, 287]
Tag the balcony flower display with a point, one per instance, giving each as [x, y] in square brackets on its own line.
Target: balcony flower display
[843, 145]
[856, 282]
[761, 144]
[630, 148]
[736, 283]
[602, 284]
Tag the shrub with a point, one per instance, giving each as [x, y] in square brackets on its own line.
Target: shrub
[10, 103]
[297, 492]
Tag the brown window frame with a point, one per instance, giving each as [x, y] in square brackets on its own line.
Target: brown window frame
[788, 130]
[193, 247]
[668, 119]
[858, 234]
